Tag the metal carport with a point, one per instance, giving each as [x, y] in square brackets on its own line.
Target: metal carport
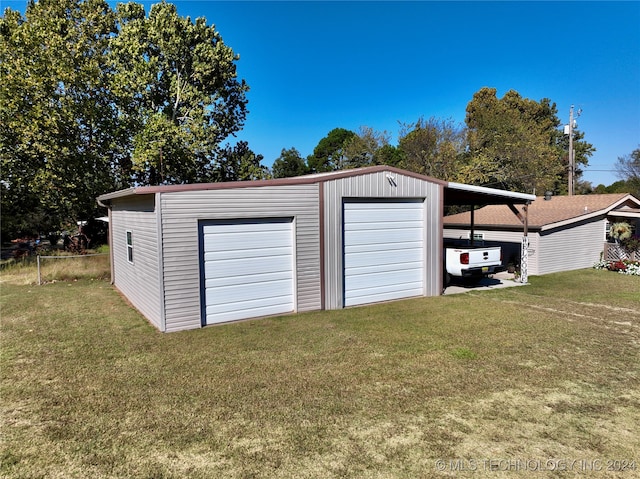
[459, 194]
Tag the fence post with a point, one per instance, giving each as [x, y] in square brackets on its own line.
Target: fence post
[39, 281]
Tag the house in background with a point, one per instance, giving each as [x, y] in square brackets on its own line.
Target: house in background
[565, 232]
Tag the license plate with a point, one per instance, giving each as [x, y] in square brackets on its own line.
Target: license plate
[485, 269]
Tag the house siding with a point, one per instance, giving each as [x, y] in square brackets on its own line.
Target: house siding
[138, 281]
[572, 247]
[375, 186]
[181, 212]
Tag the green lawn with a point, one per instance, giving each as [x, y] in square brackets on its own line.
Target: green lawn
[498, 381]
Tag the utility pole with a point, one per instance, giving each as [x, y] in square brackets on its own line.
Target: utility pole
[161, 167]
[571, 159]
[568, 130]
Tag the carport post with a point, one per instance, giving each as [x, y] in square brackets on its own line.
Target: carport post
[524, 251]
[524, 262]
[473, 225]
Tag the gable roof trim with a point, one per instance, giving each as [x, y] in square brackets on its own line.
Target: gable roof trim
[298, 180]
[588, 215]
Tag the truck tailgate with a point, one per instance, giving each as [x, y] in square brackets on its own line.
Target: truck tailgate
[484, 256]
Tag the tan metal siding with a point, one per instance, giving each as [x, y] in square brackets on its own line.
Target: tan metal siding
[575, 247]
[181, 212]
[379, 185]
[139, 281]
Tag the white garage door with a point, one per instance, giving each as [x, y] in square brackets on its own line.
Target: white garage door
[248, 269]
[383, 251]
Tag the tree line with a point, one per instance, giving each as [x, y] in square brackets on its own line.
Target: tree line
[95, 99]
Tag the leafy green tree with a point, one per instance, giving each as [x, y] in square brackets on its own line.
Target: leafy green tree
[239, 163]
[327, 155]
[60, 135]
[515, 143]
[628, 170]
[432, 147]
[583, 188]
[364, 148]
[619, 186]
[390, 155]
[177, 88]
[93, 100]
[289, 164]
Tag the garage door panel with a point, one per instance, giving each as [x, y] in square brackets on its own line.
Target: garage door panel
[384, 247]
[370, 218]
[395, 208]
[234, 314]
[383, 268]
[248, 253]
[376, 295]
[388, 257]
[246, 305]
[373, 277]
[269, 291]
[370, 277]
[388, 225]
[242, 226]
[382, 236]
[241, 242]
[393, 290]
[242, 280]
[248, 269]
[383, 251]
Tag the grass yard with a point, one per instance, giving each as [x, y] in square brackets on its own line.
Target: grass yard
[538, 381]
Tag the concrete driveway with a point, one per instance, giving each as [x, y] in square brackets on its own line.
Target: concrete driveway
[499, 280]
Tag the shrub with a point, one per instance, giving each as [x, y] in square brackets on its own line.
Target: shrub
[624, 266]
[631, 244]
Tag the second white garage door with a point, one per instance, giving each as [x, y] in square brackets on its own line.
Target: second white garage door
[383, 251]
[248, 269]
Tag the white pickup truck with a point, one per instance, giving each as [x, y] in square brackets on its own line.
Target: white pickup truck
[471, 262]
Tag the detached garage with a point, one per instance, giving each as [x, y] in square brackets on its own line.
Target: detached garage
[188, 256]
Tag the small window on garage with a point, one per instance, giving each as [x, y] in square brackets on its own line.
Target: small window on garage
[129, 247]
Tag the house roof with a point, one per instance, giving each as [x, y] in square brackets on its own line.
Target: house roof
[455, 193]
[545, 214]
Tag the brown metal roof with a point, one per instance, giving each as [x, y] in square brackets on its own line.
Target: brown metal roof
[455, 193]
[298, 180]
[543, 213]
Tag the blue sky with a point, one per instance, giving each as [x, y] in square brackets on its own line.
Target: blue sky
[315, 66]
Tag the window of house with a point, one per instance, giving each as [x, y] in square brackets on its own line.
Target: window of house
[129, 247]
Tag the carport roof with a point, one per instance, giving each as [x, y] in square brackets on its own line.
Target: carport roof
[454, 193]
[462, 194]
